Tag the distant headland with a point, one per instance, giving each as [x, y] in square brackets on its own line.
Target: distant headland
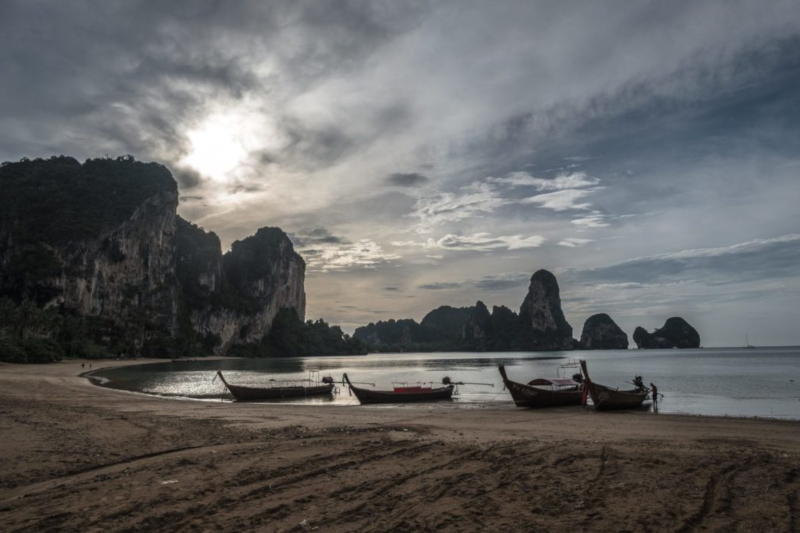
[540, 325]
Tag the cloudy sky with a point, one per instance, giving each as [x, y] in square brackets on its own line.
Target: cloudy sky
[428, 153]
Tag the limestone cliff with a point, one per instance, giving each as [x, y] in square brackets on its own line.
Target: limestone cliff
[539, 326]
[676, 333]
[247, 287]
[600, 332]
[125, 270]
[99, 249]
[101, 243]
[447, 322]
[478, 329]
[541, 311]
[395, 335]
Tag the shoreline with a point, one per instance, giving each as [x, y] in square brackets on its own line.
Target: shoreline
[85, 458]
[455, 405]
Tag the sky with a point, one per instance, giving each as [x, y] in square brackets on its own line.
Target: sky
[438, 153]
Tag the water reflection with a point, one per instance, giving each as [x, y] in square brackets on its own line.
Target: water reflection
[762, 382]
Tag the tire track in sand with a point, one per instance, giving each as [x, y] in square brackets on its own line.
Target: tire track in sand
[718, 495]
[78, 475]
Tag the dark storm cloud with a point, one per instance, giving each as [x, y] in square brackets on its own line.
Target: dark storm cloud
[311, 146]
[750, 261]
[124, 77]
[187, 178]
[314, 237]
[439, 286]
[235, 188]
[407, 180]
[494, 282]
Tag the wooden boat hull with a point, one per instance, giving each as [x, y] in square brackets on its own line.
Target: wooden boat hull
[608, 399]
[366, 396]
[244, 394]
[536, 398]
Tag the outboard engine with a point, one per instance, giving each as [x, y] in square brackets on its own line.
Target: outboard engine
[446, 380]
[577, 377]
[327, 380]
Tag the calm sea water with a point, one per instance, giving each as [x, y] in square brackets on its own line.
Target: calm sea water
[763, 382]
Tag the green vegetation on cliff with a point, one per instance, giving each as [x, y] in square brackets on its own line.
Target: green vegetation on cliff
[291, 337]
[59, 200]
[30, 334]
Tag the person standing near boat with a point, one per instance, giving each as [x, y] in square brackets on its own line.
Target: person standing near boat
[654, 392]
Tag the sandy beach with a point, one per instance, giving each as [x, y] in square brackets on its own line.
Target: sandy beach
[77, 457]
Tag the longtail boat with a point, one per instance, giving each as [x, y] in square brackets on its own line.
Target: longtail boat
[242, 393]
[401, 394]
[607, 398]
[543, 392]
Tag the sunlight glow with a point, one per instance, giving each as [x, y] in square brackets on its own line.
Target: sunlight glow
[217, 148]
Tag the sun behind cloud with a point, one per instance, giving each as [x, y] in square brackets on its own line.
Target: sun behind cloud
[217, 147]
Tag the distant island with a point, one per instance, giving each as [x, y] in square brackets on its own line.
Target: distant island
[676, 333]
[540, 325]
[95, 262]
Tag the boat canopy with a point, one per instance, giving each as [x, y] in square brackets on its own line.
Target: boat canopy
[557, 382]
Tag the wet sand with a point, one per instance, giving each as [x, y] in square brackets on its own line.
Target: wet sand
[76, 457]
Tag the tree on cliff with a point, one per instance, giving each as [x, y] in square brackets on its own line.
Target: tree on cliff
[73, 201]
[24, 331]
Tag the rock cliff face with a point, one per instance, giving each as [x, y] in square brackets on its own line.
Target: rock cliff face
[129, 267]
[506, 327]
[676, 333]
[261, 275]
[447, 322]
[394, 335]
[101, 240]
[541, 310]
[539, 326]
[478, 328]
[441, 329]
[111, 260]
[600, 332]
